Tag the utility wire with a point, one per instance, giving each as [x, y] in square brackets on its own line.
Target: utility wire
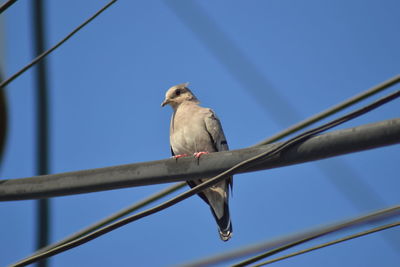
[324, 146]
[44, 54]
[136, 206]
[270, 153]
[360, 234]
[373, 217]
[322, 115]
[6, 5]
[276, 250]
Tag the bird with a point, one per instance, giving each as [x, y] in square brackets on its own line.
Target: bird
[197, 130]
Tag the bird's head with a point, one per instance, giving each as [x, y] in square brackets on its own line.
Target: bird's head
[178, 94]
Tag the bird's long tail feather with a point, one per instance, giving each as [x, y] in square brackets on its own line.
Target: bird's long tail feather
[224, 223]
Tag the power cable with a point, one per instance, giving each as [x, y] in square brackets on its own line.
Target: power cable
[44, 54]
[136, 206]
[327, 145]
[360, 234]
[328, 112]
[288, 241]
[6, 5]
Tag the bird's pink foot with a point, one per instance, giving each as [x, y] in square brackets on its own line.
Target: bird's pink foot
[180, 156]
[197, 155]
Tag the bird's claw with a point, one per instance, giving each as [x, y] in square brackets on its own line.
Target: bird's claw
[176, 157]
[197, 155]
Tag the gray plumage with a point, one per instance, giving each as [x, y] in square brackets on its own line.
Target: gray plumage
[197, 129]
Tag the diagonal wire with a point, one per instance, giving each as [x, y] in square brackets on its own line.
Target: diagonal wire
[337, 241]
[276, 250]
[244, 71]
[6, 5]
[136, 206]
[322, 115]
[275, 244]
[44, 54]
[214, 180]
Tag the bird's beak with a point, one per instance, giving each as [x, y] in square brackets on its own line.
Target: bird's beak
[165, 102]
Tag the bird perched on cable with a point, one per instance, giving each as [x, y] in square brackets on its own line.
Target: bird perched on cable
[197, 130]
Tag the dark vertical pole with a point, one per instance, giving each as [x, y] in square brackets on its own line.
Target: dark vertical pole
[42, 149]
[3, 119]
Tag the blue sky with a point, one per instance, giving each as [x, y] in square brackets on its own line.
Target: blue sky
[261, 65]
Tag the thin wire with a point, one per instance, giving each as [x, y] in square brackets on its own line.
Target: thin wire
[322, 115]
[41, 56]
[360, 234]
[278, 249]
[6, 5]
[373, 217]
[136, 206]
[270, 153]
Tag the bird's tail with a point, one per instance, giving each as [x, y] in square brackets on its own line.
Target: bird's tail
[217, 198]
[224, 223]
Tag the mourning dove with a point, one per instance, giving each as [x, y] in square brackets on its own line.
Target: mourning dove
[197, 130]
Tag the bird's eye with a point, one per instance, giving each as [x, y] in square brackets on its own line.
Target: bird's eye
[178, 92]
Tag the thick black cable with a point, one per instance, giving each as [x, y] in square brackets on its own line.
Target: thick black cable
[41, 56]
[270, 153]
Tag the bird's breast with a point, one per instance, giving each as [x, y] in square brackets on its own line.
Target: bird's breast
[189, 136]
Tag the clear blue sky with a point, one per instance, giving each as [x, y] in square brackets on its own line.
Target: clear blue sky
[242, 58]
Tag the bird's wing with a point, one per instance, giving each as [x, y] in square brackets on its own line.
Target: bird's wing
[214, 129]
